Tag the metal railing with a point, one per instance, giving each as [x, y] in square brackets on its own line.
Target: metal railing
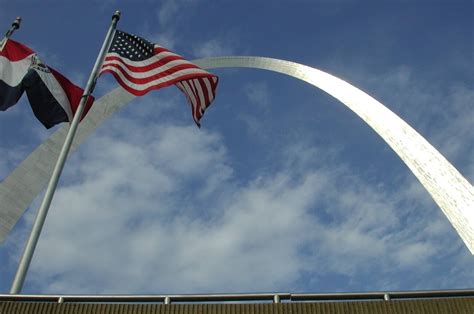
[243, 297]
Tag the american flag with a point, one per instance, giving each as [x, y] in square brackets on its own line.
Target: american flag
[140, 66]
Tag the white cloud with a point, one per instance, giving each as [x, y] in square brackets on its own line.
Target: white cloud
[258, 93]
[166, 38]
[259, 96]
[456, 136]
[158, 210]
[213, 48]
[253, 126]
[170, 9]
[415, 253]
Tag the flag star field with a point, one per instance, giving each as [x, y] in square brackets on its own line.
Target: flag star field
[131, 47]
[282, 188]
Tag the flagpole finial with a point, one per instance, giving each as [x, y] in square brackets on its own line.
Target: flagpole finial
[16, 23]
[116, 15]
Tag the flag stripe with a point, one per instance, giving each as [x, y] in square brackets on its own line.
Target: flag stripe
[144, 77]
[12, 72]
[210, 89]
[202, 100]
[9, 95]
[56, 91]
[193, 108]
[73, 93]
[45, 106]
[53, 98]
[143, 88]
[140, 66]
[14, 51]
[158, 56]
[190, 93]
[15, 60]
[159, 49]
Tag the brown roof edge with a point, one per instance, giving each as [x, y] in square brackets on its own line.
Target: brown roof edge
[458, 305]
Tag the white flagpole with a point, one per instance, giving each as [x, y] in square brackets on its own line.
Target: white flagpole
[43, 210]
[15, 25]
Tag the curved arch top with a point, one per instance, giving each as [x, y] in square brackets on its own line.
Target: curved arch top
[449, 189]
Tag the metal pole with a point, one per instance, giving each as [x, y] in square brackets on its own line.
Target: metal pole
[43, 210]
[15, 25]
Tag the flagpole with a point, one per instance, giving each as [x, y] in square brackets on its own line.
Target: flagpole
[43, 210]
[15, 25]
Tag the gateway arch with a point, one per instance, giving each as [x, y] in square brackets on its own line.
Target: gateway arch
[449, 189]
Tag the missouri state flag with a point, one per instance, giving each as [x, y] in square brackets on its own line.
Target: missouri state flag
[15, 61]
[140, 66]
[53, 98]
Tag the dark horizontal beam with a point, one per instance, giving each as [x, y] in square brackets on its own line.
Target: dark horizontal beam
[275, 297]
[147, 298]
[419, 294]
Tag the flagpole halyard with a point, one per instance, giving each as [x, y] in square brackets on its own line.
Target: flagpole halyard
[45, 204]
[15, 25]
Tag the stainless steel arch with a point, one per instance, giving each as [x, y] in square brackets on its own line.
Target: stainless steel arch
[450, 190]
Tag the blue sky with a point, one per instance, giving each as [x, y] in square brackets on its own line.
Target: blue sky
[282, 188]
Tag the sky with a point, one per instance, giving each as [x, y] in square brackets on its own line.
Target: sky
[282, 189]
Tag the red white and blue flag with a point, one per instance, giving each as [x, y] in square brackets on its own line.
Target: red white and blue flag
[140, 66]
[15, 61]
[53, 98]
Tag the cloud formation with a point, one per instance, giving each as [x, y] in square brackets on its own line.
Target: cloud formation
[302, 197]
[126, 217]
